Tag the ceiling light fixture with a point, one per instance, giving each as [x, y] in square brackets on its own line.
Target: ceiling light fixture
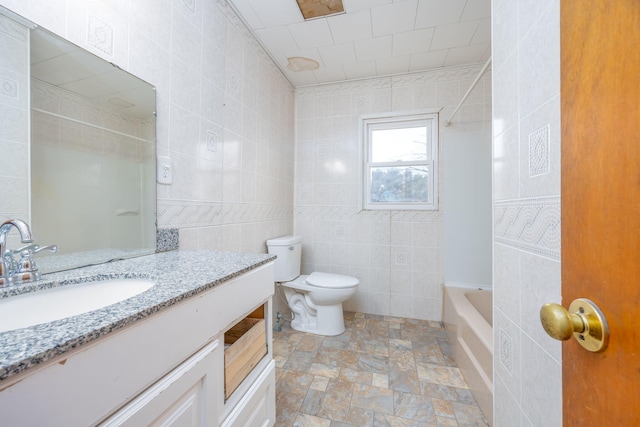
[298, 63]
[317, 8]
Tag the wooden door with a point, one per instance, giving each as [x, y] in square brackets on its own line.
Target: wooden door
[600, 107]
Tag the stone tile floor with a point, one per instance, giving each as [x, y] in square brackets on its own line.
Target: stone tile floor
[382, 371]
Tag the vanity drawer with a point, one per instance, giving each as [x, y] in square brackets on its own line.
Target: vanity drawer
[245, 345]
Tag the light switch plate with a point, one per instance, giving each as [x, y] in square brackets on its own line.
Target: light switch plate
[164, 170]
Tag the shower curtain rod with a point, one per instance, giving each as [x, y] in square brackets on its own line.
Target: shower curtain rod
[464, 98]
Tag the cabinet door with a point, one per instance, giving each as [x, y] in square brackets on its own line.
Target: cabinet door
[257, 408]
[185, 397]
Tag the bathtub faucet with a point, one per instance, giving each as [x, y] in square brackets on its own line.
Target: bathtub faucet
[22, 270]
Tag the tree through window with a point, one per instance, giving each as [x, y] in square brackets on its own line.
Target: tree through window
[400, 161]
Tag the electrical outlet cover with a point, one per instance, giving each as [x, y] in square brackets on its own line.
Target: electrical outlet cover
[164, 169]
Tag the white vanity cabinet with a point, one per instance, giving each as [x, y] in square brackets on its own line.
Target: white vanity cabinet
[181, 398]
[167, 369]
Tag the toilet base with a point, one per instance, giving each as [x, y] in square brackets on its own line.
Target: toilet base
[328, 321]
[308, 317]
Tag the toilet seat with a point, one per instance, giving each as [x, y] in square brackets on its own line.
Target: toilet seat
[331, 281]
[318, 281]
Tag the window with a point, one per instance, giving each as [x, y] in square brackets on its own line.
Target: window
[399, 161]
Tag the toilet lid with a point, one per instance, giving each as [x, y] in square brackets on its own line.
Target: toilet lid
[328, 280]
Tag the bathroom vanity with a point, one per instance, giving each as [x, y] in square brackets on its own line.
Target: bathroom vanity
[195, 349]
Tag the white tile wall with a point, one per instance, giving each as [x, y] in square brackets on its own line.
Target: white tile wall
[526, 87]
[212, 78]
[397, 255]
[14, 131]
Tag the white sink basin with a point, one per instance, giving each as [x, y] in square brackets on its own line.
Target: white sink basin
[45, 306]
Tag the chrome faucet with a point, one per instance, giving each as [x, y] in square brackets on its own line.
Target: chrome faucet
[14, 271]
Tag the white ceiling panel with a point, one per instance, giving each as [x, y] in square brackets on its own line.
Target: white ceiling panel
[302, 78]
[370, 49]
[338, 54]
[395, 65]
[432, 13]
[67, 68]
[89, 87]
[411, 42]
[313, 33]
[372, 37]
[394, 18]
[476, 9]
[350, 26]
[274, 13]
[330, 74]
[453, 35]
[277, 39]
[464, 55]
[428, 61]
[483, 33]
[355, 5]
[360, 70]
[47, 47]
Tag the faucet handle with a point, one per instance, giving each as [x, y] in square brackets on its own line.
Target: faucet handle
[32, 249]
[26, 269]
[50, 248]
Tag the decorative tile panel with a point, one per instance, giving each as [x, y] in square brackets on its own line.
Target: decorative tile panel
[234, 81]
[539, 147]
[180, 213]
[532, 225]
[331, 213]
[190, 5]
[8, 87]
[184, 213]
[342, 88]
[506, 350]
[212, 141]
[416, 216]
[100, 35]
[449, 74]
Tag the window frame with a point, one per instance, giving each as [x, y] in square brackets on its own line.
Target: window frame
[395, 120]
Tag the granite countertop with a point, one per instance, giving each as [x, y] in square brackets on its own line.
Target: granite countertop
[177, 275]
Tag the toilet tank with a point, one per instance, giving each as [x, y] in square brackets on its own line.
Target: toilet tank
[288, 249]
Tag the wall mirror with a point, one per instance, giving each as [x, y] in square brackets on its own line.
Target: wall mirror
[90, 149]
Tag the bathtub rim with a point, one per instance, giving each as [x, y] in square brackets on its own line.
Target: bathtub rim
[467, 311]
[481, 379]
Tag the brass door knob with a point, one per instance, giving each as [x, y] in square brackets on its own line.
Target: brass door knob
[584, 321]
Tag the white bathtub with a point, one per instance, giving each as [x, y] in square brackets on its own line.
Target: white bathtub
[468, 321]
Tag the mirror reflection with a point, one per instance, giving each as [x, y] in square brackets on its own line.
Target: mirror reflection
[91, 155]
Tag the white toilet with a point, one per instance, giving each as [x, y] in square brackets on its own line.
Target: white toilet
[316, 299]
